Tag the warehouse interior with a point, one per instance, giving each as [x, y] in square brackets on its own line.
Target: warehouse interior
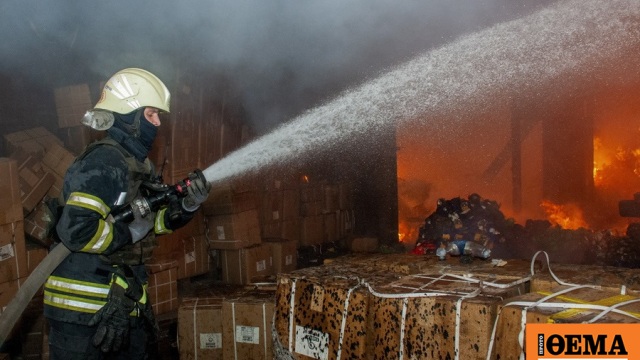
[553, 141]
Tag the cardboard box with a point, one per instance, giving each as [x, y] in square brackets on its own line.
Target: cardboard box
[608, 277]
[290, 229]
[163, 286]
[272, 207]
[71, 104]
[311, 193]
[457, 316]
[330, 198]
[320, 318]
[33, 141]
[36, 222]
[234, 231]
[510, 327]
[345, 222]
[225, 199]
[290, 204]
[10, 192]
[200, 328]
[246, 326]
[345, 196]
[8, 290]
[34, 182]
[271, 229]
[285, 254]
[312, 230]
[194, 258]
[35, 255]
[13, 258]
[330, 227]
[57, 160]
[248, 265]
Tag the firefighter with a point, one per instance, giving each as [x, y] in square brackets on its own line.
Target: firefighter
[96, 301]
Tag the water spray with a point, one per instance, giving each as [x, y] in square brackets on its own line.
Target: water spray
[569, 38]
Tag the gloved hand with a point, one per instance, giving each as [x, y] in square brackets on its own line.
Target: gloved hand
[142, 222]
[197, 193]
[113, 320]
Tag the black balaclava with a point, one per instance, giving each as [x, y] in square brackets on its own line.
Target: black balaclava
[134, 133]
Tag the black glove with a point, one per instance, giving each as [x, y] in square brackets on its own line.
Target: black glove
[197, 193]
[113, 320]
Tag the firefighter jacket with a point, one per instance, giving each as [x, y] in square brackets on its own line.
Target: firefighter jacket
[105, 177]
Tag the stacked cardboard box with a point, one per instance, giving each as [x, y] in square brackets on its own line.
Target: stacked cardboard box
[13, 255]
[163, 286]
[311, 210]
[226, 322]
[327, 213]
[71, 104]
[437, 315]
[284, 252]
[200, 328]
[233, 229]
[280, 209]
[246, 326]
[188, 247]
[366, 307]
[33, 141]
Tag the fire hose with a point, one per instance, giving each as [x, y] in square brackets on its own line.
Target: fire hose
[161, 195]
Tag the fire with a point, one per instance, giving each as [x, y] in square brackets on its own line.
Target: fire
[566, 216]
[405, 232]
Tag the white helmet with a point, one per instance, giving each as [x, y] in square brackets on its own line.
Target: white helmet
[127, 90]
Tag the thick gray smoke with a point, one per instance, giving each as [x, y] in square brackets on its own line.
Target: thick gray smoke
[276, 57]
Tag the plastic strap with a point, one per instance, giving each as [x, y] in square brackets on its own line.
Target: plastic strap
[195, 340]
[233, 321]
[264, 328]
[405, 304]
[292, 303]
[344, 321]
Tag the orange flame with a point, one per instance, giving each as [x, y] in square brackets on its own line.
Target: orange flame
[568, 216]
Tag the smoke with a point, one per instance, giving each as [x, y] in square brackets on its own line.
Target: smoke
[276, 57]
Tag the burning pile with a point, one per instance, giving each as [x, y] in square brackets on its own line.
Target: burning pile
[467, 227]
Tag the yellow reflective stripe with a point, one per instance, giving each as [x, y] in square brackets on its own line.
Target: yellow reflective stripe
[120, 281]
[77, 287]
[89, 202]
[72, 303]
[101, 240]
[143, 299]
[159, 226]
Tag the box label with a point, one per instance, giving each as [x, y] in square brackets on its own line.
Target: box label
[220, 231]
[190, 257]
[312, 343]
[586, 341]
[210, 341]
[261, 265]
[248, 334]
[6, 252]
[288, 260]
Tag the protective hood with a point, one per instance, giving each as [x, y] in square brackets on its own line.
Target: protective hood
[134, 133]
